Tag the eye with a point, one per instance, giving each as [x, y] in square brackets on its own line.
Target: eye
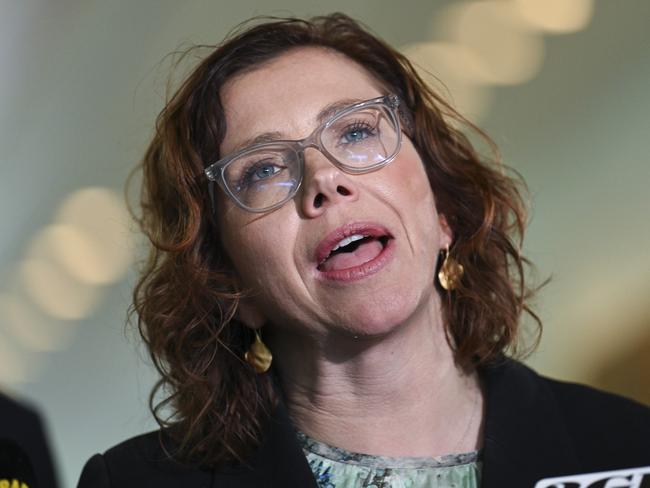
[263, 171]
[257, 171]
[357, 132]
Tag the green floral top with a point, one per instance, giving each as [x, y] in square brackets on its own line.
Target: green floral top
[336, 468]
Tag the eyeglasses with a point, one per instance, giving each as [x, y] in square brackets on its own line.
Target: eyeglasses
[359, 139]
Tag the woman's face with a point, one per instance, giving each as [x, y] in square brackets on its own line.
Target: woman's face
[281, 257]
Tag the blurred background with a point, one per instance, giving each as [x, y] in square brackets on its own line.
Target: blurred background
[561, 86]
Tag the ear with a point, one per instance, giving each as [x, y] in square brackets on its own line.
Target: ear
[250, 314]
[446, 234]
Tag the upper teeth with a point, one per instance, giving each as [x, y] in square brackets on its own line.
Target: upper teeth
[348, 240]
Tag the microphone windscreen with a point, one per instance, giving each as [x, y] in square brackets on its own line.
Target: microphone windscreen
[16, 469]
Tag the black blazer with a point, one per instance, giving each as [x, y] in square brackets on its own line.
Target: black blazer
[534, 428]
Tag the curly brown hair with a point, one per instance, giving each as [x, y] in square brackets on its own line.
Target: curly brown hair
[213, 403]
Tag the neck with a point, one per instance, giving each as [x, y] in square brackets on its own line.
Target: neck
[401, 394]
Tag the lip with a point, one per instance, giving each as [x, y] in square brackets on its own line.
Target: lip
[370, 229]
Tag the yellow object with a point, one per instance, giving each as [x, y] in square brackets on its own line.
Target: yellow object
[258, 355]
[14, 483]
[450, 272]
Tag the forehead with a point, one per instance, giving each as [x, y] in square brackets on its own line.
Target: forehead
[286, 94]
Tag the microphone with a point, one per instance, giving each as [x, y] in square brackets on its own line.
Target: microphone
[16, 469]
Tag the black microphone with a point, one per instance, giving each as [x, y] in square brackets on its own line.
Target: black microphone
[16, 470]
[25, 457]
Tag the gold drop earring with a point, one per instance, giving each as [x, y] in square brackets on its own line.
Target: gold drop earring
[258, 355]
[450, 272]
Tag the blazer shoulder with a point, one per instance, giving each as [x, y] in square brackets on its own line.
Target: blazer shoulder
[578, 402]
[149, 447]
[142, 461]
[608, 429]
[570, 428]
[599, 410]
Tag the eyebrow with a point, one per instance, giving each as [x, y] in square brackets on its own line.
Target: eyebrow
[324, 115]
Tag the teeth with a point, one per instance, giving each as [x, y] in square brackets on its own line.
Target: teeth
[348, 240]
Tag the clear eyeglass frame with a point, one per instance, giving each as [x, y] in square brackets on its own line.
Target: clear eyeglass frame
[216, 172]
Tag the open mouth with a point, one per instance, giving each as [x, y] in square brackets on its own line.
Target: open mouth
[354, 251]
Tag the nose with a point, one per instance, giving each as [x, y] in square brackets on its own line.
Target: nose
[324, 185]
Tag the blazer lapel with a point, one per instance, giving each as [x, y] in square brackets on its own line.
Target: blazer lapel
[525, 435]
[279, 462]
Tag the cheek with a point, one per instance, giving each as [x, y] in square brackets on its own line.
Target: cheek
[415, 202]
[416, 176]
[409, 183]
[256, 247]
[253, 255]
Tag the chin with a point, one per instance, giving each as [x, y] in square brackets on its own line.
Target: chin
[375, 318]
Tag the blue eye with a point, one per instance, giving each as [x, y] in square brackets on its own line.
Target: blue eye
[259, 171]
[254, 172]
[264, 171]
[356, 133]
[355, 136]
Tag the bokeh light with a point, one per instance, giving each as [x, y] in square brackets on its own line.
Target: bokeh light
[15, 365]
[452, 70]
[30, 327]
[506, 49]
[81, 254]
[55, 291]
[62, 276]
[557, 16]
[94, 242]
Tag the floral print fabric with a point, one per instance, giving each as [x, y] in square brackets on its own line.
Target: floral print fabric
[337, 468]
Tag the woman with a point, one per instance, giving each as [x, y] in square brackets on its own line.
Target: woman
[307, 194]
